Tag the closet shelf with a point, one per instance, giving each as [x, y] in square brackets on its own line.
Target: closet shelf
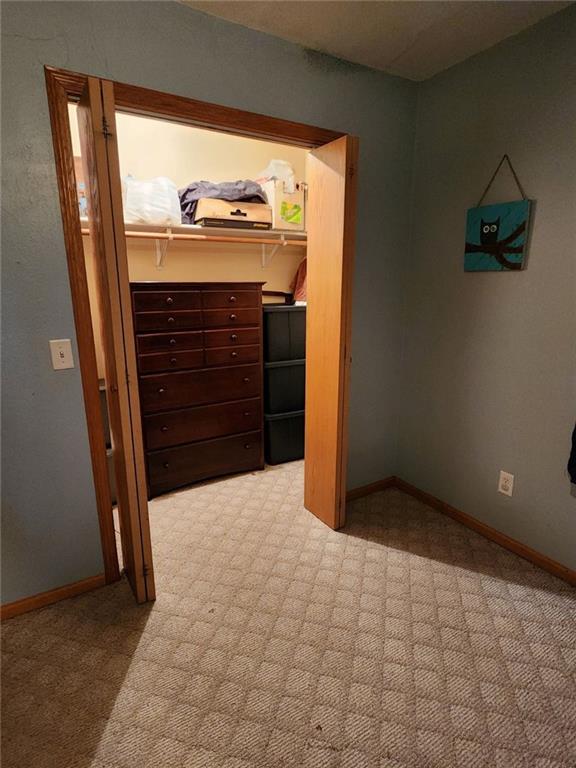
[193, 232]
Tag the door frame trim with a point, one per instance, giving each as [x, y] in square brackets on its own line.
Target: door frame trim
[63, 87]
[202, 114]
[59, 94]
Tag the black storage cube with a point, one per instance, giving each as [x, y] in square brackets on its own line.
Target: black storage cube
[284, 332]
[284, 437]
[284, 385]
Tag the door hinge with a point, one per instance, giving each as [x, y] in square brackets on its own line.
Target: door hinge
[145, 570]
[106, 128]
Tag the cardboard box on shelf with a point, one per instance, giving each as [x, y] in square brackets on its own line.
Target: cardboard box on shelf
[211, 212]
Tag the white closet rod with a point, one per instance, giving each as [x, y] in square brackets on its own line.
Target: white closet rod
[210, 238]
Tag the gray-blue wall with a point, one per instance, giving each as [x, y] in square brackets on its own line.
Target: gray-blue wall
[489, 365]
[50, 525]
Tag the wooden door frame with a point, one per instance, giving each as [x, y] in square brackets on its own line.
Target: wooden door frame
[98, 138]
[61, 88]
[64, 87]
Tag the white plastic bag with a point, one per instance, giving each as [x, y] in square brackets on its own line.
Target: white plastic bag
[151, 202]
[282, 170]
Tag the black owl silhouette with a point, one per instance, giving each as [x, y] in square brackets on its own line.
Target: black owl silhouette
[489, 231]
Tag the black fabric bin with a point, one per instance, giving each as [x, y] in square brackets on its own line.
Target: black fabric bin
[284, 384]
[284, 332]
[284, 437]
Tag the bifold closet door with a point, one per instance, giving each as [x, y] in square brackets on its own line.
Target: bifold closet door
[96, 121]
[331, 177]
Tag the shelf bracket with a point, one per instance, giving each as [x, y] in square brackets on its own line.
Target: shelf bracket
[267, 256]
[162, 248]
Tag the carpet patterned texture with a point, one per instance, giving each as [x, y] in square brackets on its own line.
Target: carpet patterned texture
[404, 640]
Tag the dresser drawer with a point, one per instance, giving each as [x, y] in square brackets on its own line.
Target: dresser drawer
[168, 321]
[163, 430]
[231, 336]
[145, 301]
[159, 342]
[167, 391]
[228, 355]
[174, 467]
[232, 299]
[214, 318]
[171, 361]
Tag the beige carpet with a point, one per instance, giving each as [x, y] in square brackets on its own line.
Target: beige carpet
[403, 640]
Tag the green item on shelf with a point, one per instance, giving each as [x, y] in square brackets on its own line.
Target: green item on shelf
[291, 212]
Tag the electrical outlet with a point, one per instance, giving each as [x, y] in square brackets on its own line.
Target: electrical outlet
[61, 352]
[505, 483]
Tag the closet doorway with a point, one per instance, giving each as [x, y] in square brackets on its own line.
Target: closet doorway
[330, 218]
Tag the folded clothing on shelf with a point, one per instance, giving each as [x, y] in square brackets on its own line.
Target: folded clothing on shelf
[246, 191]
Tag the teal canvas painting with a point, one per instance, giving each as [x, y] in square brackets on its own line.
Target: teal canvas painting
[497, 236]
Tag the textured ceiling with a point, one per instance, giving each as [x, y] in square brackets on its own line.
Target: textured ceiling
[411, 39]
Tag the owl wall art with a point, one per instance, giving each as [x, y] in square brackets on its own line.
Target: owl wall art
[497, 236]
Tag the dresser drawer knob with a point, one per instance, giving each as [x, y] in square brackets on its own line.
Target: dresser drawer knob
[247, 413]
[247, 446]
[171, 319]
[233, 337]
[232, 316]
[173, 361]
[166, 465]
[246, 379]
[233, 354]
[161, 390]
[163, 428]
[232, 299]
[169, 300]
[172, 341]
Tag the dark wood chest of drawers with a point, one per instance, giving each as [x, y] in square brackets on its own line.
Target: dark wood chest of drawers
[199, 351]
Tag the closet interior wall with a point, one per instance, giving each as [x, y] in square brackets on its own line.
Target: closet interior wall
[149, 148]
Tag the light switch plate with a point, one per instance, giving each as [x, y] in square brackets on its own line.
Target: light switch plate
[505, 483]
[61, 351]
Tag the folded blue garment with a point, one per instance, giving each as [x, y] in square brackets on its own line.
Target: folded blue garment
[247, 191]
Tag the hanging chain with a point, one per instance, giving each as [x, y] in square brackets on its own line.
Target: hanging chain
[505, 158]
